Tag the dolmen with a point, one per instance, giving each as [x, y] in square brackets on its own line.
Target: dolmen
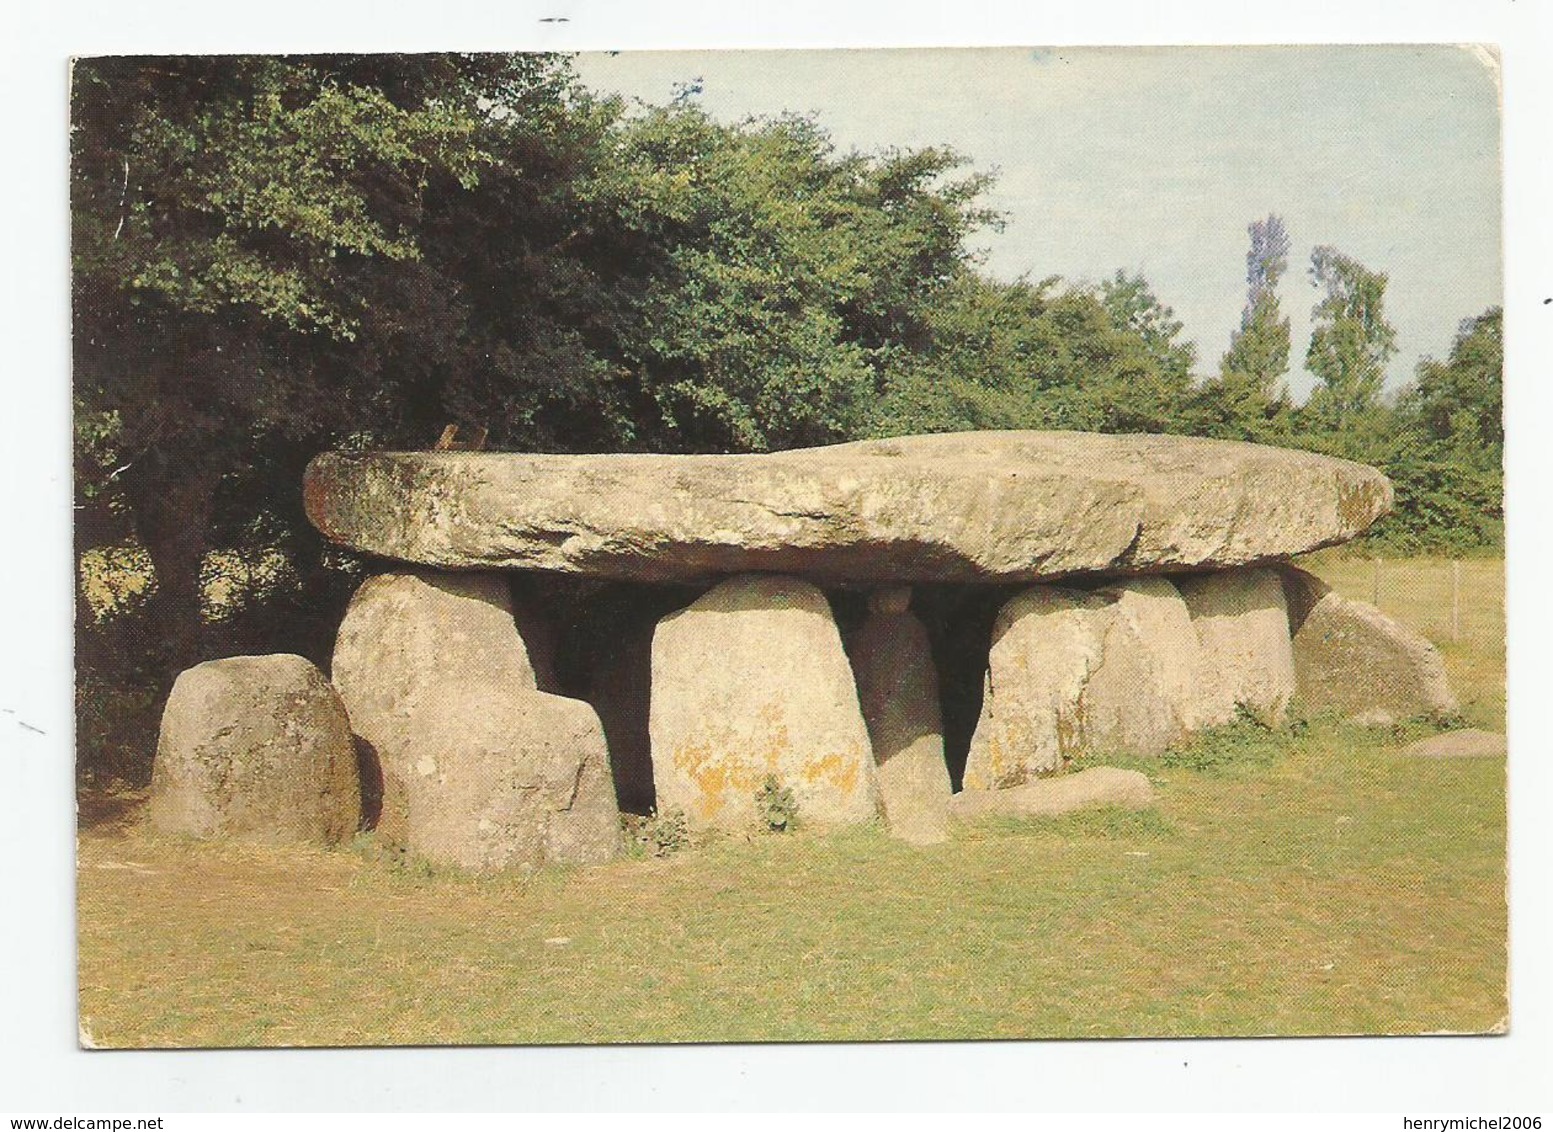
[1134, 590]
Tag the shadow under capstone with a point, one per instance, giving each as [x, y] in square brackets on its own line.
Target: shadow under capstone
[959, 620]
[595, 644]
[591, 640]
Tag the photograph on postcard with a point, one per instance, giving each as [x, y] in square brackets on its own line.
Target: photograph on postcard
[760, 546]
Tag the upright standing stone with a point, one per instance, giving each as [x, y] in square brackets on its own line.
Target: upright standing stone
[1045, 643]
[405, 638]
[1350, 657]
[1068, 673]
[480, 769]
[1162, 625]
[497, 780]
[256, 748]
[1131, 702]
[749, 681]
[897, 687]
[1242, 623]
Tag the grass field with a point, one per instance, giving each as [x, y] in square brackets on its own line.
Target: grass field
[1315, 883]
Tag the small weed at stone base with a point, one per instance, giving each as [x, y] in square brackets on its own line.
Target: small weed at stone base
[1248, 742]
[775, 806]
[656, 835]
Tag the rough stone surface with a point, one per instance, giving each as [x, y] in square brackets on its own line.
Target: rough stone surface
[1045, 643]
[480, 769]
[1049, 797]
[751, 680]
[1170, 649]
[1242, 624]
[1350, 657]
[406, 630]
[497, 780]
[1468, 743]
[1126, 705]
[1012, 506]
[897, 687]
[1374, 717]
[1067, 674]
[404, 637]
[255, 748]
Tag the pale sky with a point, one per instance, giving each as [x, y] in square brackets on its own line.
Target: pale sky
[1156, 159]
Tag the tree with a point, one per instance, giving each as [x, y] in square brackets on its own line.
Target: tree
[1135, 308]
[1034, 355]
[247, 264]
[1350, 343]
[777, 283]
[1246, 401]
[1457, 405]
[274, 256]
[277, 255]
[1446, 455]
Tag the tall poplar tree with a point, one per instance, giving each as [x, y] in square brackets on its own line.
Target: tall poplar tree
[1247, 401]
[1350, 343]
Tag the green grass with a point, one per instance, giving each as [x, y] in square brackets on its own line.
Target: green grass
[1309, 882]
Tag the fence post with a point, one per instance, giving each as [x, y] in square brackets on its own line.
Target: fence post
[1455, 599]
[1375, 581]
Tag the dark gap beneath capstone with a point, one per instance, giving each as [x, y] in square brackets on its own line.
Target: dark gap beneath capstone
[959, 621]
[597, 635]
[591, 640]
[370, 769]
[850, 609]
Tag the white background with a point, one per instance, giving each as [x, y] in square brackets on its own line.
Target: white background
[40, 1068]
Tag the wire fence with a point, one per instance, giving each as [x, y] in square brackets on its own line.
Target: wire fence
[1460, 601]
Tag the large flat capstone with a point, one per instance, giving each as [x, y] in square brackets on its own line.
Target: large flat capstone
[962, 507]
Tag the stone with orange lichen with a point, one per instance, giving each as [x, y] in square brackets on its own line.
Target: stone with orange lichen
[750, 681]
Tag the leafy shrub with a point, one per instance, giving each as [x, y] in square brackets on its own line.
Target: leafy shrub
[1246, 742]
[118, 699]
[776, 807]
[1443, 506]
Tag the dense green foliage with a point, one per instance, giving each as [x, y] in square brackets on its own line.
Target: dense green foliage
[251, 280]
[1247, 401]
[775, 283]
[1445, 448]
[274, 256]
[1350, 343]
[1043, 355]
